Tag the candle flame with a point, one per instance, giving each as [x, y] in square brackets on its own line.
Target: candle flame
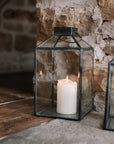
[78, 75]
[67, 79]
[40, 72]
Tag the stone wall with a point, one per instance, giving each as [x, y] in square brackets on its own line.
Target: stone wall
[94, 20]
[17, 35]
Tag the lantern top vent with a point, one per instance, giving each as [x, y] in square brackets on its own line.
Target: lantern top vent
[65, 31]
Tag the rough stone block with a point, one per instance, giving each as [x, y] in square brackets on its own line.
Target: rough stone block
[99, 102]
[32, 2]
[33, 29]
[5, 42]
[100, 79]
[107, 8]
[17, 2]
[109, 49]
[13, 26]
[3, 3]
[20, 15]
[45, 23]
[24, 43]
[48, 18]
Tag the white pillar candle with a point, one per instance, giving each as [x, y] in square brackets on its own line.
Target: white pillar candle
[66, 96]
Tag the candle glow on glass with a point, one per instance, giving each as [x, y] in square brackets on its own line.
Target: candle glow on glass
[89, 71]
[40, 72]
[78, 75]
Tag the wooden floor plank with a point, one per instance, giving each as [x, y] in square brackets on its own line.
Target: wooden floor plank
[17, 116]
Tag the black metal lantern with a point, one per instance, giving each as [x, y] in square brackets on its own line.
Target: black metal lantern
[64, 76]
[109, 105]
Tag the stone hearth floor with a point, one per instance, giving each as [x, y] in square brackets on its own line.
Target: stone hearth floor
[18, 125]
[87, 131]
[17, 112]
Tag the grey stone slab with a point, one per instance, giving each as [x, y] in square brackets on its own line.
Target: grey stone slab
[87, 131]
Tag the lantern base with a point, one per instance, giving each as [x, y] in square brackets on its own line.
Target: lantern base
[52, 112]
[110, 124]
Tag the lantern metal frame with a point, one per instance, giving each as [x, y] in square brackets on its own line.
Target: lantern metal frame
[61, 31]
[108, 117]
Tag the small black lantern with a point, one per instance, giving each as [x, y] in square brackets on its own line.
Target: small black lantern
[109, 104]
[64, 66]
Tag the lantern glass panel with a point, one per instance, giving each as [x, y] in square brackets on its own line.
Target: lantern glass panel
[44, 79]
[112, 96]
[63, 77]
[87, 81]
[46, 91]
[109, 108]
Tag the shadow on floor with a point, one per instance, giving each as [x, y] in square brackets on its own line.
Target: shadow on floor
[20, 81]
